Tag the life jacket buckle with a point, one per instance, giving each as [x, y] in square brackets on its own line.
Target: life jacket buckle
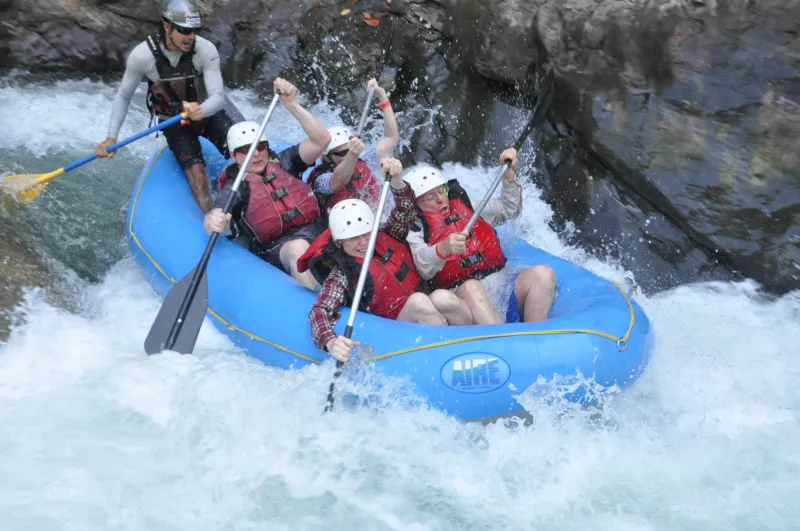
[472, 260]
[290, 215]
[269, 176]
[451, 219]
[277, 194]
[387, 256]
[402, 272]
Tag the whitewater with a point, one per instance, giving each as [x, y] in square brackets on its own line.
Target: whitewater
[94, 434]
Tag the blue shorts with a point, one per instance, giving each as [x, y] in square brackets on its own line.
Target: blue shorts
[513, 314]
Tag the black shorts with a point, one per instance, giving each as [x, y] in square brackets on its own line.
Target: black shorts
[183, 141]
[272, 252]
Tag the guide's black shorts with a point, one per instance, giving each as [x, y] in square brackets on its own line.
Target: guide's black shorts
[183, 141]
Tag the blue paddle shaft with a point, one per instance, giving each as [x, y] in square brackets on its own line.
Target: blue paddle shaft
[134, 138]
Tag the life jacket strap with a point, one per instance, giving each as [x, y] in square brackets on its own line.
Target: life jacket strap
[471, 260]
[286, 217]
[279, 193]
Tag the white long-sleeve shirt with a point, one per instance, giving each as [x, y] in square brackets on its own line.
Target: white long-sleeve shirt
[497, 211]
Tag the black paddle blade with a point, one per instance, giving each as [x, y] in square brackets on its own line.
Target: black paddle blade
[168, 315]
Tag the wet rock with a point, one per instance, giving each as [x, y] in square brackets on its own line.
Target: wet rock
[21, 268]
[694, 114]
[672, 136]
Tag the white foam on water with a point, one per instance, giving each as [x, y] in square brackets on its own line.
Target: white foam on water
[94, 434]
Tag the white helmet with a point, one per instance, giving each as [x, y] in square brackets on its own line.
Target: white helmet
[339, 135]
[350, 218]
[422, 178]
[243, 134]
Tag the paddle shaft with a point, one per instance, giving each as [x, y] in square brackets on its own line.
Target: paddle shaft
[163, 125]
[373, 238]
[362, 280]
[362, 276]
[201, 267]
[542, 104]
[364, 113]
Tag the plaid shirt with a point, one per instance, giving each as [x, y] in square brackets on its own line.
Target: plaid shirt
[335, 291]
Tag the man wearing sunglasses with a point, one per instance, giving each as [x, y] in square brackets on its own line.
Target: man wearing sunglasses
[183, 73]
[276, 214]
[347, 166]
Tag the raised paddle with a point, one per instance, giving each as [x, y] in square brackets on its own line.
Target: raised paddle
[364, 113]
[539, 112]
[362, 279]
[27, 187]
[178, 321]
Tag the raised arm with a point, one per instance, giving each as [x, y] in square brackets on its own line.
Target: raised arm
[391, 134]
[318, 137]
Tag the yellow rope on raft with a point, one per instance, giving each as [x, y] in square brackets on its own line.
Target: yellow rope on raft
[620, 341]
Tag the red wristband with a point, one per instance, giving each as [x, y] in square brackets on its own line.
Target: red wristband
[385, 104]
[436, 248]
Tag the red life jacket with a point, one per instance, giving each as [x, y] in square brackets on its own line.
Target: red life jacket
[178, 83]
[278, 202]
[391, 270]
[483, 256]
[363, 185]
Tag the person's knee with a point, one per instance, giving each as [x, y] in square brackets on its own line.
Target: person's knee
[419, 308]
[440, 298]
[538, 276]
[419, 302]
[545, 276]
[188, 158]
[472, 290]
[291, 251]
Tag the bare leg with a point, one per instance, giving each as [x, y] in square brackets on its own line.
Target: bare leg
[420, 309]
[535, 289]
[474, 294]
[198, 181]
[455, 310]
[290, 252]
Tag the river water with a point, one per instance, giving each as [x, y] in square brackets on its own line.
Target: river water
[96, 435]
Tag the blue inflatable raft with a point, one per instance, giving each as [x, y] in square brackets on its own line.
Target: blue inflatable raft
[595, 333]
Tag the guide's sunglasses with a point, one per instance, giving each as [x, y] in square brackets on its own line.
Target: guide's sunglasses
[184, 31]
[262, 146]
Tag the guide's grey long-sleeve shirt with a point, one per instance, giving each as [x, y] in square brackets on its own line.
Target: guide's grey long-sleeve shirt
[141, 64]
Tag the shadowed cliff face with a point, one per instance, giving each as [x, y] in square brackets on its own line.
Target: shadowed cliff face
[672, 139]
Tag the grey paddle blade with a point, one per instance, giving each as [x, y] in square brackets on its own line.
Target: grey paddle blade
[168, 315]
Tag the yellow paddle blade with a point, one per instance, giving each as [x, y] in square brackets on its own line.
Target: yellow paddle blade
[26, 187]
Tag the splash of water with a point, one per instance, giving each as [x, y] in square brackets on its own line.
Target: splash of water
[94, 434]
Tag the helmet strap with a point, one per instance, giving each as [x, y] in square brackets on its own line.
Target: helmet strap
[169, 33]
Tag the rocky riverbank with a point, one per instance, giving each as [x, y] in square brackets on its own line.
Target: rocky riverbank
[671, 142]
